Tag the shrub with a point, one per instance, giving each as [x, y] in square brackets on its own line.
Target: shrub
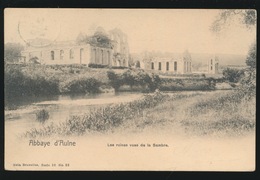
[119, 67]
[154, 83]
[114, 79]
[81, 85]
[18, 83]
[169, 84]
[101, 119]
[148, 82]
[42, 116]
[233, 75]
[92, 65]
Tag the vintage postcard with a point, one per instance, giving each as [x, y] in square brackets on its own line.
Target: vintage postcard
[130, 89]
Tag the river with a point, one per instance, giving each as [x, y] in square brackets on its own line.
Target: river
[59, 107]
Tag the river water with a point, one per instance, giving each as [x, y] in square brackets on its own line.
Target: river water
[60, 107]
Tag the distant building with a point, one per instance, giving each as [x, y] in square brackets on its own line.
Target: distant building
[213, 65]
[71, 52]
[178, 63]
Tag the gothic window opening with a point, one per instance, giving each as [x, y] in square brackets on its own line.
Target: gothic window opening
[175, 66]
[81, 54]
[167, 66]
[102, 57]
[108, 57]
[71, 54]
[152, 65]
[94, 55]
[61, 54]
[52, 55]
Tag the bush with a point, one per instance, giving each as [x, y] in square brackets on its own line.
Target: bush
[169, 84]
[148, 82]
[91, 65]
[233, 75]
[101, 119]
[114, 79]
[82, 85]
[42, 116]
[119, 67]
[18, 84]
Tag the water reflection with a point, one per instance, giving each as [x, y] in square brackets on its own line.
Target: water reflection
[62, 106]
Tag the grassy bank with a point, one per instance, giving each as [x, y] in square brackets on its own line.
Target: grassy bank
[195, 113]
[225, 113]
[37, 80]
[190, 84]
[47, 80]
[100, 119]
[201, 113]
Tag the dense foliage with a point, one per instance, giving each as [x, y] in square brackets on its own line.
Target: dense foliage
[80, 85]
[12, 52]
[170, 84]
[233, 75]
[99, 39]
[148, 82]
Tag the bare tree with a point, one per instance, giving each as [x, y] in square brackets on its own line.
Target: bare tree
[227, 17]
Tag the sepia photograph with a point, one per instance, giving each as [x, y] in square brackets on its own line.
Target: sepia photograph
[101, 89]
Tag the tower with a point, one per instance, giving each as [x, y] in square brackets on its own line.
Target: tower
[213, 65]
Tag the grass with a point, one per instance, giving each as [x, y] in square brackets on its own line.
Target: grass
[101, 119]
[42, 116]
[191, 84]
[225, 113]
[194, 113]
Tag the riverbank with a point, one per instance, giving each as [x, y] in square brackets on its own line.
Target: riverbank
[32, 81]
[196, 113]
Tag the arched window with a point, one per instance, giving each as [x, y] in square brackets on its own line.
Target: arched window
[94, 55]
[71, 54]
[152, 65]
[52, 55]
[167, 66]
[175, 66]
[108, 57]
[61, 54]
[81, 54]
[160, 66]
[102, 57]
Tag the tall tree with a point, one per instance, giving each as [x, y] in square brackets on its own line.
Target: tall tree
[251, 56]
[12, 52]
[227, 17]
[247, 18]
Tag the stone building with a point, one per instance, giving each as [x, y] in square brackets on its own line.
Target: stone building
[72, 52]
[213, 65]
[177, 63]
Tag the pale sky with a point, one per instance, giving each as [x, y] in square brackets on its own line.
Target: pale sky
[165, 30]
